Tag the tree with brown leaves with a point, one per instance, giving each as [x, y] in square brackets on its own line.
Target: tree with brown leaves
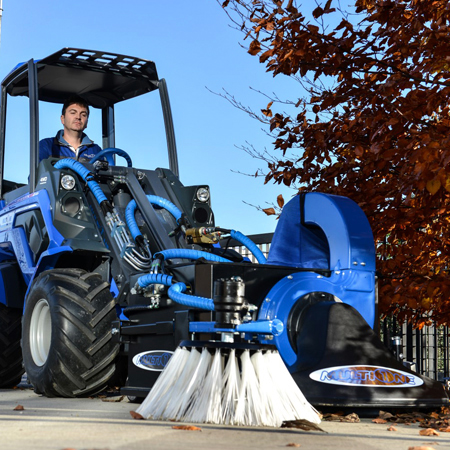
[374, 125]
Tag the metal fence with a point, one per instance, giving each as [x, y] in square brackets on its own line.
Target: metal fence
[426, 351]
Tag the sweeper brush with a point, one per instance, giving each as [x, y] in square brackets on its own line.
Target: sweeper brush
[223, 383]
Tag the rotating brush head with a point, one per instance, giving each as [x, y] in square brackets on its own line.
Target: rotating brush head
[227, 383]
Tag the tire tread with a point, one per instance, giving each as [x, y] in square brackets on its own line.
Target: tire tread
[82, 355]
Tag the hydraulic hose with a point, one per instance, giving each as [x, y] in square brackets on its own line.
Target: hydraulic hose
[166, 204]
[131, 221]
[176, 291]
[176, 294]
[250, 245]
[107, 152]
[154, 278]
[84, 173]
[186, 253]
[138, 260]
[154, 200]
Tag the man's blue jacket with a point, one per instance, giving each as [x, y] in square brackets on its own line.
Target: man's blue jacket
[58, 147]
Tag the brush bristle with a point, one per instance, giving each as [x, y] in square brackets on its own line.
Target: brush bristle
[249, 390]
[230, 389]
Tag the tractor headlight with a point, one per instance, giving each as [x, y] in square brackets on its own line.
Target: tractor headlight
[203, 194]
[68, 182]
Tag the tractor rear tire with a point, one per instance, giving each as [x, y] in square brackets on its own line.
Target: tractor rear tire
[67, 344]
[11, 368]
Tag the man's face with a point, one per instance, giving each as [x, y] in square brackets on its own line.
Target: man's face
[75, 118]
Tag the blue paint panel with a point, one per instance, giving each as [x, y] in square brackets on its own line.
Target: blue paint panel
[323, 231]
[346, 227]
[16, 238]
[285, 294]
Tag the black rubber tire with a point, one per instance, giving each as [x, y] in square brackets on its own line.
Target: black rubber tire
[79, 357]
[11, 368]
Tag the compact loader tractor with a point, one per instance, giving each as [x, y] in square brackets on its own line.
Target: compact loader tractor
[105, 267]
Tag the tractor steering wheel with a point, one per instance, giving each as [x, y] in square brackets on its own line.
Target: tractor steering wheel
[107, 152]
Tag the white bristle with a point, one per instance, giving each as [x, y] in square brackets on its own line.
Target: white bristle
[230, 389]
[207, 405]
[288, 391]
[197, 384]
[254, 390]
[248, 409]
[171, 373]
[180, 390]
[273, 407]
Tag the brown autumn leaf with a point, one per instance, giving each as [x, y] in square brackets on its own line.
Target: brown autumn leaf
[293, 444]
[317, 12]
[447, 184]
[116, 399]
[385, 415]
[303, 424]
[280, 201]
[19, 408]
[433, 186]
[340, 417]
[421, 447]
[378, 420]
[429, 432]
[391, 428]
[255, 47]
[445, 429]
[269, 211]
[186, 427]
[351, 418]
[136, 415]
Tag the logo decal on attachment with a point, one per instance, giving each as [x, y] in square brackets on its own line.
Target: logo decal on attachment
[366, 376]
[155, 360]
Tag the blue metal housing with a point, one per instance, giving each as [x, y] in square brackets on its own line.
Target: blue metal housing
[327, 232]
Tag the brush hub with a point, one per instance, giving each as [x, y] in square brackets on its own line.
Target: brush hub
[224, 346]
[229, 301]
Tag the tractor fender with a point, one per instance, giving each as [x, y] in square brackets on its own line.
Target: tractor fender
[47, 261]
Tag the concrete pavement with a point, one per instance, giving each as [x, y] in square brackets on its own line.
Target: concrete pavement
[96, 424]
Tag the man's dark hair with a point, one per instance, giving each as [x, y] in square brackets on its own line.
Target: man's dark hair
[75, 100]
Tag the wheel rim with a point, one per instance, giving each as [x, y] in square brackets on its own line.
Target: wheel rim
[40, 332]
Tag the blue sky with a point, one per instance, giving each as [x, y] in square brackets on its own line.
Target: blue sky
[196, 50]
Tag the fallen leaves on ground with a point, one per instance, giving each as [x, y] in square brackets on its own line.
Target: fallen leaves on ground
[305, 425]
[116, 399]
[136, 415]
[421, 447]
[392, 428]
[341, 417]
[19, 408]
[378, 420]
[186, 427]
[385, 415]
[292, 444]
[429, 432]
[437, 420]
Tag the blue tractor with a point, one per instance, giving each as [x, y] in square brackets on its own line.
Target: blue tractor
[105, 268]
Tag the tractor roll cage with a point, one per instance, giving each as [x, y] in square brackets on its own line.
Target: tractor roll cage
[104, 80]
